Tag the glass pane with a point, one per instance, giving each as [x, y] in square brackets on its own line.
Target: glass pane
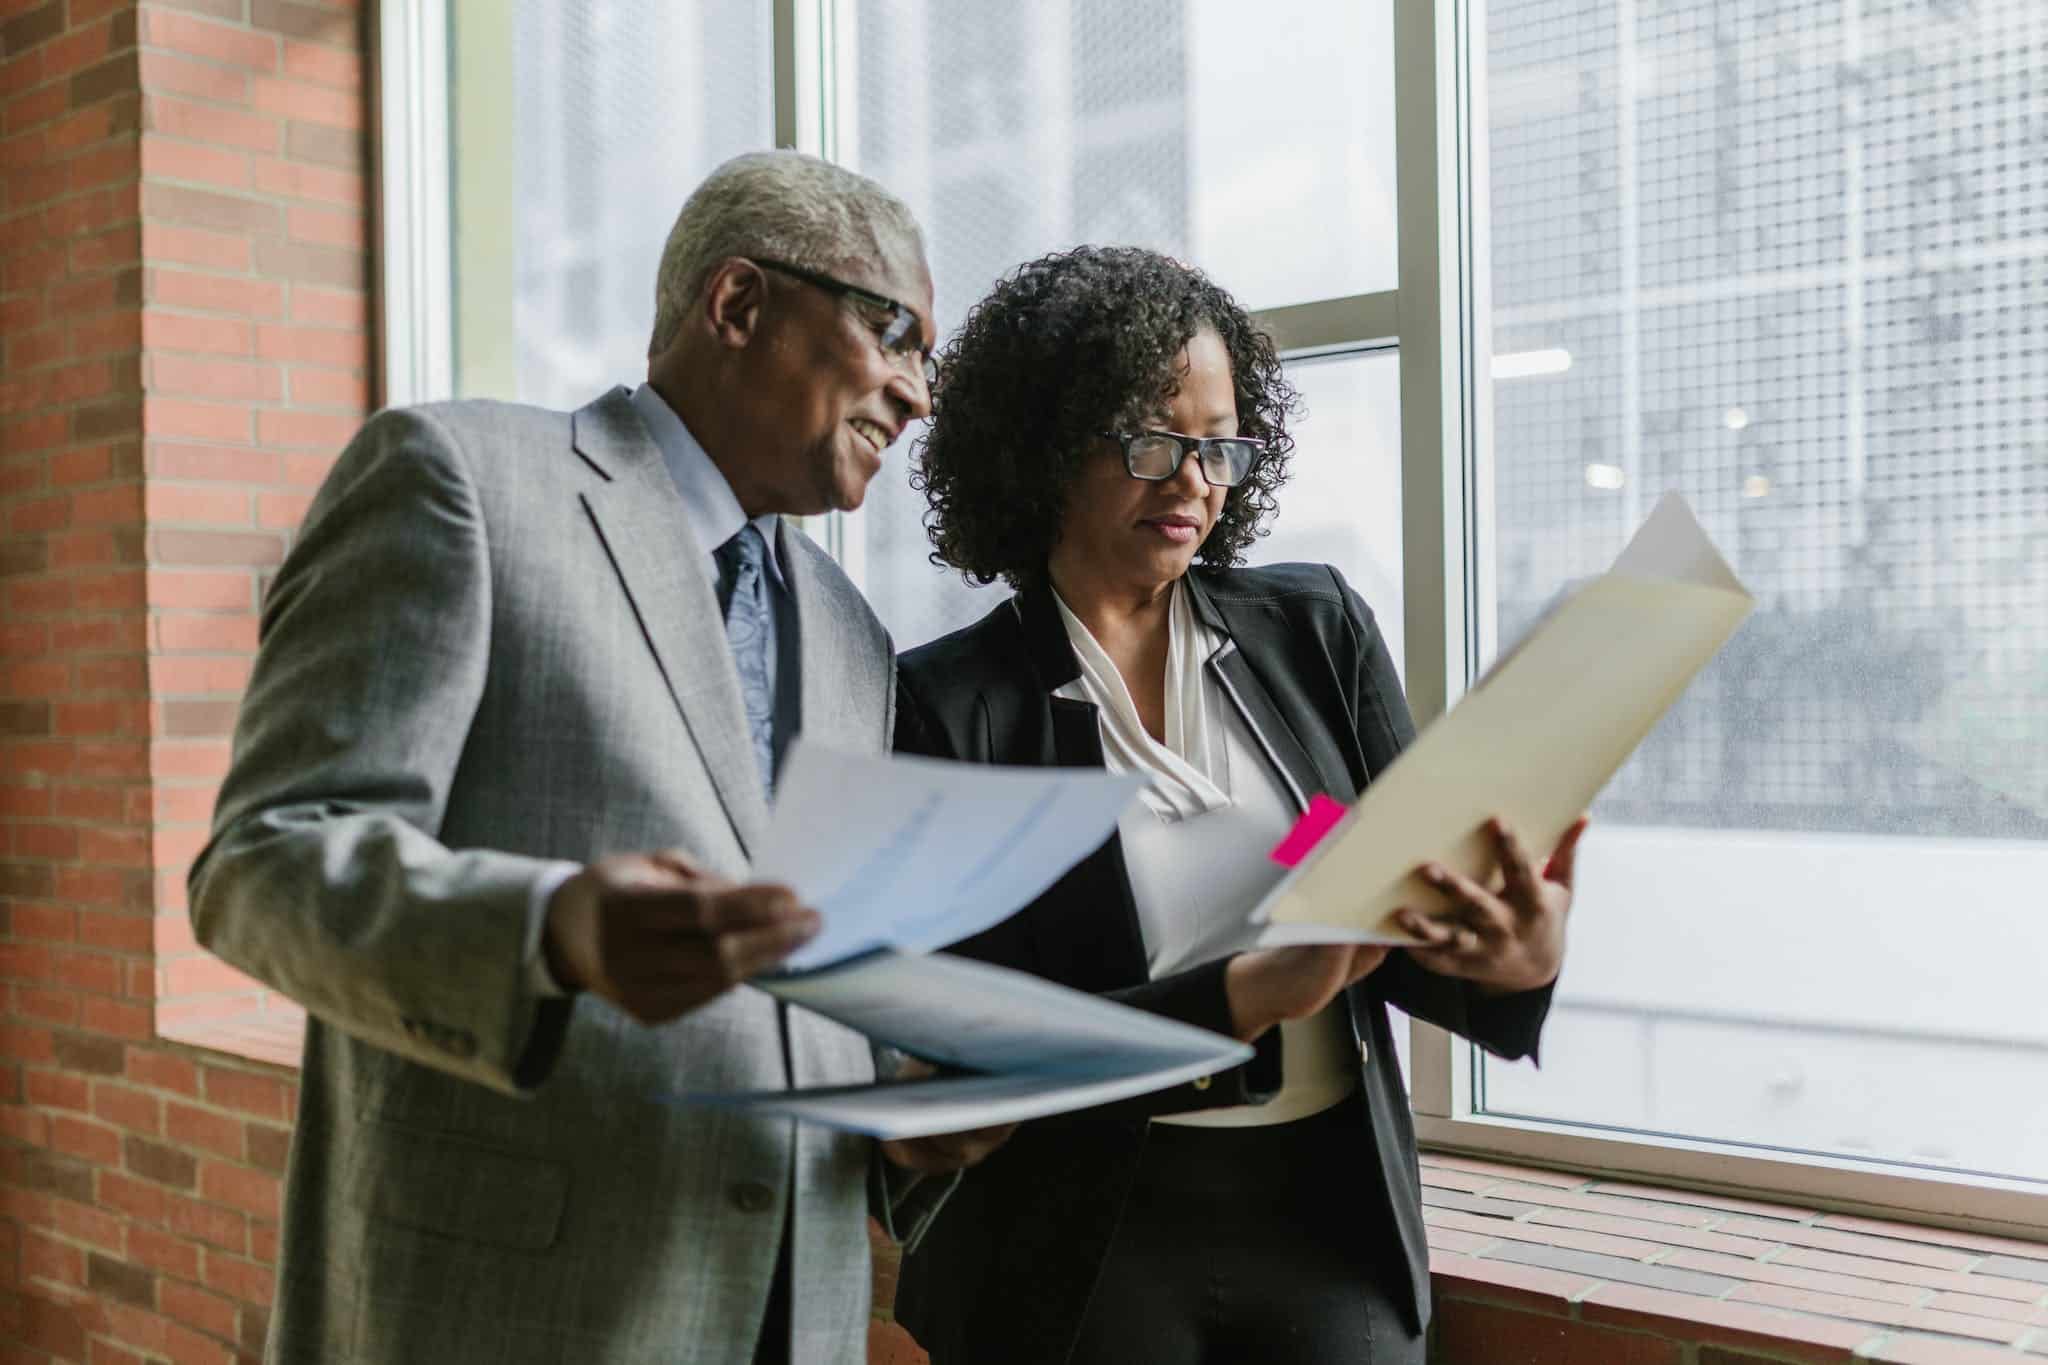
[1342, 502]
[566, 190]
[1787, 259]
[1254, 141]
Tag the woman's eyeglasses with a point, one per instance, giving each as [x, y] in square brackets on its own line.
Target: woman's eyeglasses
[1156, 456]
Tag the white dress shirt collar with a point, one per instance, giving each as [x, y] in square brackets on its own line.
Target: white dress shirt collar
[709, 504]
[1189, 774]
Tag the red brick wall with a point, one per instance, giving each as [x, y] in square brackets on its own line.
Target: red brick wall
[182, 297]
[255, 371]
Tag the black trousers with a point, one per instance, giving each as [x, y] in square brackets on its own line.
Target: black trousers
[1251, 1244]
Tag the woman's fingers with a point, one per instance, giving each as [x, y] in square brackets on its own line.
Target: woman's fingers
[1564, 858]
[1521, 882]
[1471, 904]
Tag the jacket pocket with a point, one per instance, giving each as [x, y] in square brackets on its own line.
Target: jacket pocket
[460, 1188]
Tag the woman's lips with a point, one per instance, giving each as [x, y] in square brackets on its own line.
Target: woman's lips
[1179, 530]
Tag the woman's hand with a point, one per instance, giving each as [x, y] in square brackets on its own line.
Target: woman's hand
[1270, 985]
[941, 1152]
[1504, 940]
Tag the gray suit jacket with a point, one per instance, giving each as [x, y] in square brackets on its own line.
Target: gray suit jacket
[494, 644]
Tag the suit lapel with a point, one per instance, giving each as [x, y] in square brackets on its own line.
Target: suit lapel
[833, 707]
[666, 576]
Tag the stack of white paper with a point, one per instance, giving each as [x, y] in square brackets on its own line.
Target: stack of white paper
[917, 853]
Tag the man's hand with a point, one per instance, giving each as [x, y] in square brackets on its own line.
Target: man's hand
[942, 1152]
[657, 936]
[1271, 985]
[1505, 939]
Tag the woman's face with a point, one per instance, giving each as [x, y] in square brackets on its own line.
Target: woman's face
[1126, 532]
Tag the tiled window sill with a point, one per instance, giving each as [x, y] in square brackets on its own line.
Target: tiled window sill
[1537, 1265]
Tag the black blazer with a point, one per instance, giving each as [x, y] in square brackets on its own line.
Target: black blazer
[1006, 1271]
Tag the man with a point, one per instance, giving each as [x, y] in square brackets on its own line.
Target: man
[523, 682]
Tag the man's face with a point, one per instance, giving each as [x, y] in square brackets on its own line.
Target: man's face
[833, 398]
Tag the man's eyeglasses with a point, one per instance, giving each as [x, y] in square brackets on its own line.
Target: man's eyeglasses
[896, 327]
[1156, 455]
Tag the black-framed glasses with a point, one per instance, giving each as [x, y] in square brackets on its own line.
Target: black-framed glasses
[1156, 455]
[897, 330]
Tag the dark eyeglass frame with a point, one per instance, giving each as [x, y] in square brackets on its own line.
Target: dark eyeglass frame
[1210, 451]
[895, 336]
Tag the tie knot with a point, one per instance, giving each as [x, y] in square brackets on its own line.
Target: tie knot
[747, 547]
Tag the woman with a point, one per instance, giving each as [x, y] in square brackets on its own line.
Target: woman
[1108, 435]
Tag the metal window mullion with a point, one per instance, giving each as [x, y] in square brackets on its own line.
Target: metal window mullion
[415, 304]
[802, 41]
[1324, 326]
[1439, 404]
[813, 87]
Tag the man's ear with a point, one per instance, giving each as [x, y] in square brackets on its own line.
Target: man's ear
[730, 303]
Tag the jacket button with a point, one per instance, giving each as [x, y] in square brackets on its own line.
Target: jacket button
[1203, 1082]
[1364, 1053]
[750, 1196]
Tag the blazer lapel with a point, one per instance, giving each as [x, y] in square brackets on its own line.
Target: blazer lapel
[639, 516]
[1274, 729]
[836, 703]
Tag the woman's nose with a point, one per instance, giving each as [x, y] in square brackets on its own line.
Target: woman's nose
[1190, 476]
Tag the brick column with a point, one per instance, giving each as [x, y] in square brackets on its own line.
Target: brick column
[182, 230]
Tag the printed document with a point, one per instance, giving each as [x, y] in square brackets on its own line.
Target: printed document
[917, 853]
[1037, 1048]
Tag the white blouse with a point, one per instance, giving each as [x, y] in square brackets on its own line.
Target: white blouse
[1196, 845]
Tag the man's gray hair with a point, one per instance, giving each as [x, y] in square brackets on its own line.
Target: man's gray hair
[784, 206]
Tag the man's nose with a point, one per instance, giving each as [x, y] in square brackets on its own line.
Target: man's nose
[908, 393]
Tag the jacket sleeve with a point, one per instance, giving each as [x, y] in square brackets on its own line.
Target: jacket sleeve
[1509, 1026]
[324, 878]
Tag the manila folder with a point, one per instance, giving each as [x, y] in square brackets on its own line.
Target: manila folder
[1532, 742]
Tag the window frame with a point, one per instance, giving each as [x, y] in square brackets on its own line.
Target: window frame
[1433, 317]
[1447, 406]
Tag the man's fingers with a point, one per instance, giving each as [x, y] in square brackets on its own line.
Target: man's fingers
[726, 909]
[680, 862]
[744, 953]
[755, 906]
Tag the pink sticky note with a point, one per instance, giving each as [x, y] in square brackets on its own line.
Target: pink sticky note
[1319, 819]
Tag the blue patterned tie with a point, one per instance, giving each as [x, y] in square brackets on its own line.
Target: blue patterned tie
[743, 590]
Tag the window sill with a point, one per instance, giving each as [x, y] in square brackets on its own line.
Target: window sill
[1537, 1265]
[271, 1033]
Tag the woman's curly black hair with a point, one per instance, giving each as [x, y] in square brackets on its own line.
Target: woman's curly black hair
[1069, 345]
